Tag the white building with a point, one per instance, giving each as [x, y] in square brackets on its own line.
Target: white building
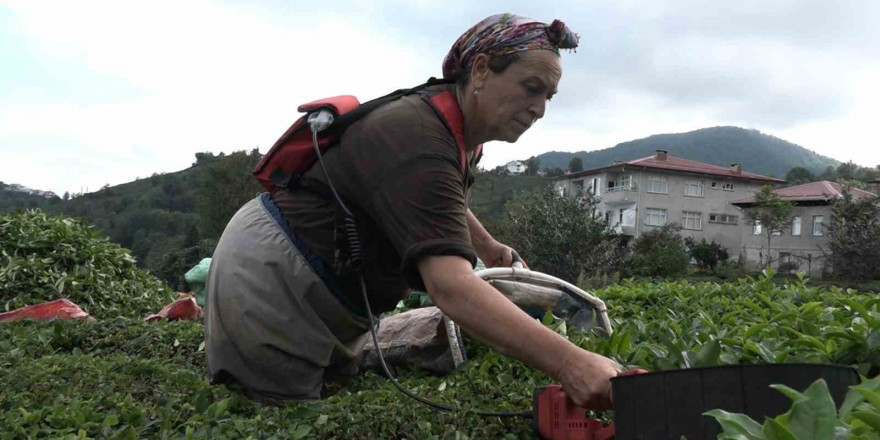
[516, 167]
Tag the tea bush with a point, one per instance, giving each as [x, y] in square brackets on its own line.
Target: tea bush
[122, 378]
[43, 258]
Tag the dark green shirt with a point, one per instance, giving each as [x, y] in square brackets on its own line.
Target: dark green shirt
[400, 166]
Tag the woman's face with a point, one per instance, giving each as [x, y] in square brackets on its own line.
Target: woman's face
[511, 101]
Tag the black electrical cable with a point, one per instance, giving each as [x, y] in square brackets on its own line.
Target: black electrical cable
[355, 250]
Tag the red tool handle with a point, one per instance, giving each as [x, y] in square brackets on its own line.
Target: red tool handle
[556, 417]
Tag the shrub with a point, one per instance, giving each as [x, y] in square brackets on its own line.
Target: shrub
[854, 238]
[561, 235]
[788, 267]
[46, 258]
[124, 378]
[659, 252]
[707, 255]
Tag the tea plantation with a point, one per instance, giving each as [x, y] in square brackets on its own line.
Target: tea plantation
[122, 378]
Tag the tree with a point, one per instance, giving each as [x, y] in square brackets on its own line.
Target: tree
[576, 164]
[553, 171]
[533, 164]
[707, 255]
[226, 185]
[854, 237]
[660, 252]
[847, 171]
[799, 175]
[66, 196]
[561, 235]
[771, 214]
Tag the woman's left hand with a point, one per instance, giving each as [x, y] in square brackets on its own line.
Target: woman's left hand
[496, 254]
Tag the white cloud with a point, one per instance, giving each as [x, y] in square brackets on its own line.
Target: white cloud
[208, 78]
[205, 76]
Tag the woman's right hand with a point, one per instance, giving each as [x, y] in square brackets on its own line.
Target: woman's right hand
[586, 379]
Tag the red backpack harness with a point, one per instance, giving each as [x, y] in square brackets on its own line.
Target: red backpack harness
[293, 154]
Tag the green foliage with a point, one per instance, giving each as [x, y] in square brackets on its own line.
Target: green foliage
[125, 378]
[12, 200]
[225, 186]
[561, 236]
[854, 237]
[812, 416]
[771, 212]
[576, 164]
[707, 255]
[533, 164]
[45, 258]
[851, 173]
[799, 176]
[492, 190]
[660, 252]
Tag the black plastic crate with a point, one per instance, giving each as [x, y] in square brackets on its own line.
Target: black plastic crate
[669, 404]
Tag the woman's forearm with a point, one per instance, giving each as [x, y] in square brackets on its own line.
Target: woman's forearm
[480, 237]
[489, 317]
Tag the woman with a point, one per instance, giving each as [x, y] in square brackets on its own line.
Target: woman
[283, 311]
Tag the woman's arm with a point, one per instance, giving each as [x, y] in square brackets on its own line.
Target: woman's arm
[493, 253]
[489, 317]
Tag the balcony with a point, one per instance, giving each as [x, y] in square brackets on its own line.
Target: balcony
[619, 194]
[614, 189]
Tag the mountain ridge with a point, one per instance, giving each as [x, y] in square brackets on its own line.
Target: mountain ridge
[757, 152]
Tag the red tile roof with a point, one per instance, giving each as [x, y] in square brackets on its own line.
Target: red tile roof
[672, 163]
[814, 191]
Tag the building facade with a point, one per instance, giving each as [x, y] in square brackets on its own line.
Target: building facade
[803, 245]
[516, 167]
[639, 195]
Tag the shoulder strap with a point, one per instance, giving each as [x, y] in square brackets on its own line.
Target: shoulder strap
[446, 105]
[344, 121]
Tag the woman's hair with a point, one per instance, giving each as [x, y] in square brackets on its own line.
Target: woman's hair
[496, 64]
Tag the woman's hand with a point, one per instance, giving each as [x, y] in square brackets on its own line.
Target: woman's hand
[495, 254]
[586, 379]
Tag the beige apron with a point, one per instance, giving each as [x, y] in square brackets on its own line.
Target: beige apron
[272, 326]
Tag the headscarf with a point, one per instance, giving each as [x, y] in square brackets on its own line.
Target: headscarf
[503, 34]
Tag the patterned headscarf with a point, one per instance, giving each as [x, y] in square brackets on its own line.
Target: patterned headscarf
[504, 34]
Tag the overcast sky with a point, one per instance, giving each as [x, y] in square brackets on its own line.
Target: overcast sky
[103, 92]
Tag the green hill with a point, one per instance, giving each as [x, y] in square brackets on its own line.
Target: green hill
[756, 152]
[170, 221]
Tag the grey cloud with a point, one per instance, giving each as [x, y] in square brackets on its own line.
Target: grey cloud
[776, 63]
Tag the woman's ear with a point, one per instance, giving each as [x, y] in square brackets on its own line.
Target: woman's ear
[479, 71]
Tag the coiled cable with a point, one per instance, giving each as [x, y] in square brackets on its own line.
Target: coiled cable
[318, 122]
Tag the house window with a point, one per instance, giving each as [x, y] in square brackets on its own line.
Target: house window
[713, 185]
[818, 225]
[692, 220]
[796, 225]
[594, 186]
[625, 182]
[757, 229]
[658, 184]
[728, 186]
[577, 186]
[655, 217]
[723, 218]
[693, 188]
[627, 217]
